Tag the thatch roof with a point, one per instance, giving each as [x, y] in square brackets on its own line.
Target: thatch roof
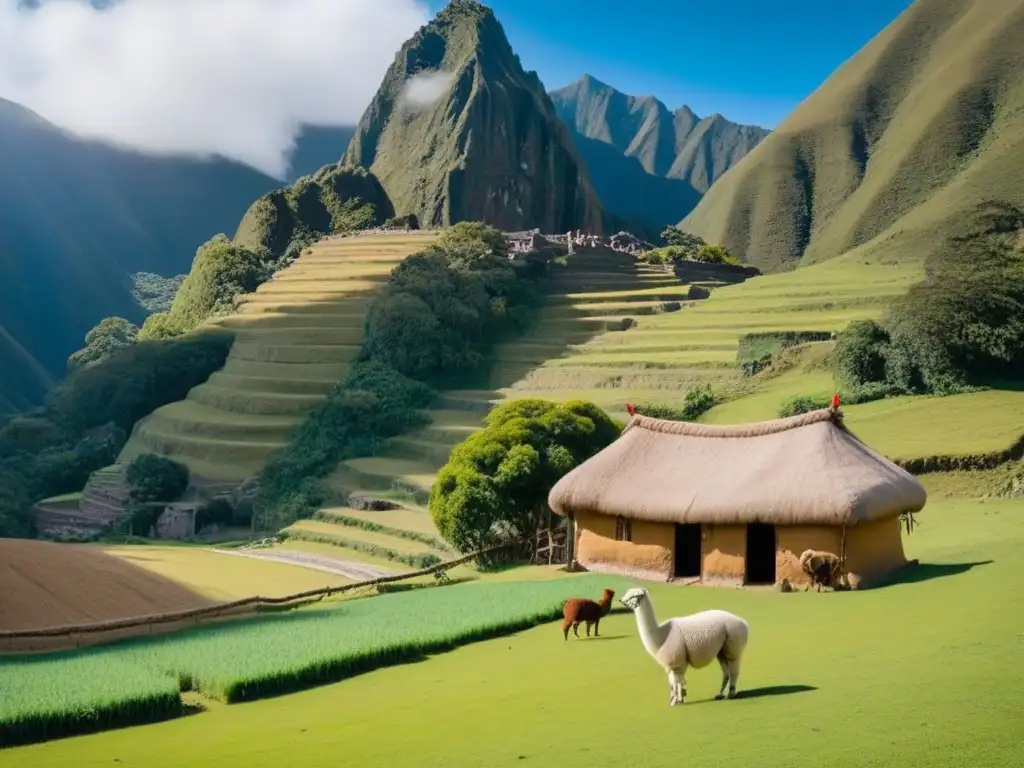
[806, 470]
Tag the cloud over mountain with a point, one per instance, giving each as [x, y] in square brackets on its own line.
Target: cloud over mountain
[230, 77]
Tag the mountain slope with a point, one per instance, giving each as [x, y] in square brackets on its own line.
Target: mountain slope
[646, 161]
[78, 217]
[490, 147]
[923, 123]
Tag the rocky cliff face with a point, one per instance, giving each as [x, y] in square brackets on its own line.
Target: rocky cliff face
[459, 131]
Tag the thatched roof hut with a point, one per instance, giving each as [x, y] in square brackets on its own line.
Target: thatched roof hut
[737, 503]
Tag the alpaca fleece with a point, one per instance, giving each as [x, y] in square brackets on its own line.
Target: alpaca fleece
[579, 609]
[823, 567]
[699, 639]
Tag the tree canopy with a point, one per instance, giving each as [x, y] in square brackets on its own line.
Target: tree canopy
[962, 325]
[495, 485]
[109, 335]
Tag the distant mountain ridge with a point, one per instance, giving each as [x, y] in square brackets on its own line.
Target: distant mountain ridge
[921, 125]
[646, 161]
[490, 147]
[78, 218]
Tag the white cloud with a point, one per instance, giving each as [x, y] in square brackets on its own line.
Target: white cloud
[230, 77]
[424, 88]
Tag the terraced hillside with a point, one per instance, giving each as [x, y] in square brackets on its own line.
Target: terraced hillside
[590, 299]
[294, 338]
[578, 349]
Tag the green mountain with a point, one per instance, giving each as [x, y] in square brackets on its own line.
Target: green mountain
[79, 218]
[458, 130]
[645, 161]
[921, 125]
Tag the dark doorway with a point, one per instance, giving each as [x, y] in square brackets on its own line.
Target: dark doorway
[688, 550]
[760, 554]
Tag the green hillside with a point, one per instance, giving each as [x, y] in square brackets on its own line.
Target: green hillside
[645, 161]
[488, 148]
[294, 338]
[925, 122]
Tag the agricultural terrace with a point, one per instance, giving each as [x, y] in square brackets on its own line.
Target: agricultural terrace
[914, 688]
[294, 339]
[577, 349]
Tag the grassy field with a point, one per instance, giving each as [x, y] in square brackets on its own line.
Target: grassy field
[871, 679]
[250, 660]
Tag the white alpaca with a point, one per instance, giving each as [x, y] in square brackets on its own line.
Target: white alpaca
[690, 641]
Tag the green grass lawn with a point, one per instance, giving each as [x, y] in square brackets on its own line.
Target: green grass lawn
[916, 674]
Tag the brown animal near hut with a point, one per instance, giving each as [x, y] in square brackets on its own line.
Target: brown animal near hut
[824, 568]
[736, 505]
[579, 609]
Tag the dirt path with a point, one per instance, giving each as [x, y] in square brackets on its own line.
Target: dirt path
[350, 570]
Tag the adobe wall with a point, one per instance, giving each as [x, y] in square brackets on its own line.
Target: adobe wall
[724, 550]
[793, 540]
[648, 556]
[873, 551]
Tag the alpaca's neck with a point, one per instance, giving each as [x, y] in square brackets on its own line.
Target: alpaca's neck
[605, 604]
[651, 633]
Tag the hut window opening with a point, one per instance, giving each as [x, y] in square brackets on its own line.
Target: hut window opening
[760, 560]
[688, 553]
[623, 529]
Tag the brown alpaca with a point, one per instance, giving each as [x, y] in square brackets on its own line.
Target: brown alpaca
[580, 609]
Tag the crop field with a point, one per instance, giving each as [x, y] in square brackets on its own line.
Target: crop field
[222, 578]
[49, 585]
[294, 338]
[892, 680]
[44, 696]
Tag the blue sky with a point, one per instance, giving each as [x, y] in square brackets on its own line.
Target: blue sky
[753, 61]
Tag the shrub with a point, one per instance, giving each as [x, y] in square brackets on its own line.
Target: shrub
[964, 324]
[473, 237]
[803, 404]
[705, 254]
[106, 338]
[696, 402]
[136, 380]
[714, 254]
[220, 271]
[154, 292]
[757, 347]
[674, 236]
[860, 353]
[373, 403]
[495, 485]
[156, 478]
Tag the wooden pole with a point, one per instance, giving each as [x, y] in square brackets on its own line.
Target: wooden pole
[570, 540]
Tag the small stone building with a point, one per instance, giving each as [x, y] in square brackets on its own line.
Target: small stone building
[735, 505]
